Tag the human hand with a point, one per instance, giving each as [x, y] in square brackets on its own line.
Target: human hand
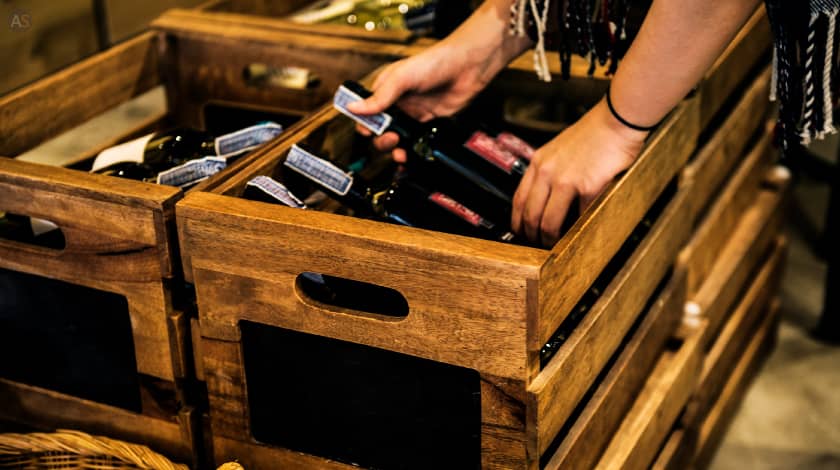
[579, 163]
[436, 83]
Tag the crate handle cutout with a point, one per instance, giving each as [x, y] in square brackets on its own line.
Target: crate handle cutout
[31, 231]
[262, 75]
[342, 295]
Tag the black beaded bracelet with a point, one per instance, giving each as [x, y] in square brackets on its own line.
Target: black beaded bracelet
[625, 121]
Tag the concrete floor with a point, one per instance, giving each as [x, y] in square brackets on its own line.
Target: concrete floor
[790, 418]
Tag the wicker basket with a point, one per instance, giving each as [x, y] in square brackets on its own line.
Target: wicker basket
[76, 450]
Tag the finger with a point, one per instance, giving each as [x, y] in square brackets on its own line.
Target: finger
[386, 141]
[363, 130]
[520, 198]
[383, 97]
[399, 155]
[556, 210]
[534, 209]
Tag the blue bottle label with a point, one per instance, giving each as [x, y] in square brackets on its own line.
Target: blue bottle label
[192, 172]
[376, 123]
[247, 139]
[276, 191]
[319, 170]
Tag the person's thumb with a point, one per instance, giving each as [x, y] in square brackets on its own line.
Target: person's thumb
[383, 97]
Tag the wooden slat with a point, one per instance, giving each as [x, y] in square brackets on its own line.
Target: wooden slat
[588, 437]
[558, 388]
[77, 93]
[723, 411]
[701, 254]
[735, 335]
[50, 410]
[749, 244]
[657, 407]
[472, 329]
[747, 49]
[256, 456]
[715, 161]
[678, 451]
[570, 270]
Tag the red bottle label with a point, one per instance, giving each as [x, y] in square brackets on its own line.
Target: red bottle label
[516, 145]
[456, 208]
[487, 147]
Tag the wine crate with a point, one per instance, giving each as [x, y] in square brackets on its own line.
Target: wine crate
[263, 21]
[119, 235]
[736, 299]
[508, 301]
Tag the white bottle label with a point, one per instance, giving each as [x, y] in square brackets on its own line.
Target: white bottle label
[277, 191]
[247, 139]
[41, 226]
[192, 172]
[319, 170]
[376, 123]
[131, 151]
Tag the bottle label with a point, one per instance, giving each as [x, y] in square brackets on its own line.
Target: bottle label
[247, 139]
[515, 145]
[376, 123]
[276, 191]
[486, 147]
[319, 170]
[41, 226]
[131, 151]
[458, 209]
[192, 172]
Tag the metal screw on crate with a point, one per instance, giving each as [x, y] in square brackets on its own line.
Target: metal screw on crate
[20, 20]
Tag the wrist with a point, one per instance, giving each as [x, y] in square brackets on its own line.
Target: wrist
[607, 120]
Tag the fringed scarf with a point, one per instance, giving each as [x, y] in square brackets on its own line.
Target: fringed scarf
[805, 54]
[804, 68]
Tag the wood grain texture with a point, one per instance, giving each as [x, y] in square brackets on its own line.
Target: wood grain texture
[723, 411]
[749, 48]
[48, 410]
[739, 260]
[731, 205]
[657, 407]
[736, 333]
[122, 249]
[678, 451]
[557, 390]
[482, 328]
[77, 93]
[571, 269]
[727, 210]
[253, 455]
[723, 152]
[588, 437]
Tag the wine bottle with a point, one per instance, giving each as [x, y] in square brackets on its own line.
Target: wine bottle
[470, 165]
[180, 157]
[404, 202]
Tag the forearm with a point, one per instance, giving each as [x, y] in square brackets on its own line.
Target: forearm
[678, 42]
[484, 39]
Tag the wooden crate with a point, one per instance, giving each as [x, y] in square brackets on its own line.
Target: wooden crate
[510, 299]
[643, 438]
[737, 300]
[120, 234]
